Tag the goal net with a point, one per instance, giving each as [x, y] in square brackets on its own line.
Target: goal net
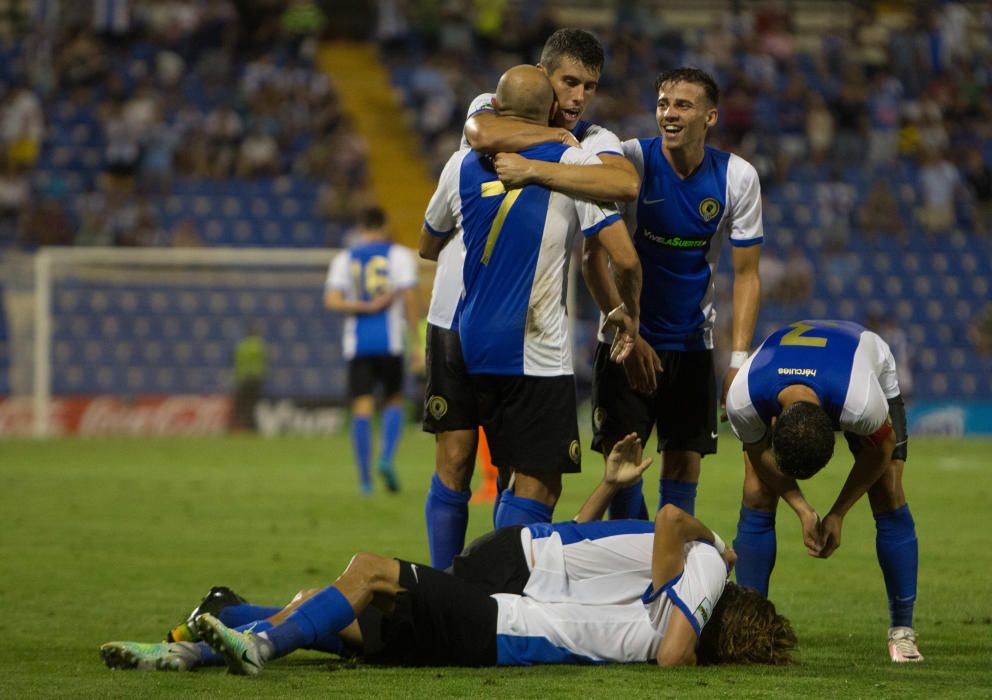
[117, 340]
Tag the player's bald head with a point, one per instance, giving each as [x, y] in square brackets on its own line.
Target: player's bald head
[525, 92]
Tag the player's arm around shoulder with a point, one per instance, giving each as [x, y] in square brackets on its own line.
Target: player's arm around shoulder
[486, 132]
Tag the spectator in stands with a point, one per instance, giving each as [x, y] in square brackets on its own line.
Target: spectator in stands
[45, 222]
[849, 111]
[980, 331]
[883, 109]
[122, 153]
[820, 127]
[978, 177]
[940, 187]
[258, 155]
[14, 194]
[222, 128]
[22, 127]
[880, 213]
[799, 279]
[185, 235]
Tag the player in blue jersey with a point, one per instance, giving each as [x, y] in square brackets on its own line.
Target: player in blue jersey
[692, 198]
[512, 324]
[374, 282]
[573, 60]
[804, 382]
[593, 592]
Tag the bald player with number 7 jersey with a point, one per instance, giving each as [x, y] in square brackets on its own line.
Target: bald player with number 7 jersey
[513, 326]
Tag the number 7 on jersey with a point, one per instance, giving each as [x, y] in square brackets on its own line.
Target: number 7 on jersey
[494, 189]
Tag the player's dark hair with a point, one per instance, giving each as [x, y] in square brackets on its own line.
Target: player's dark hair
[690, 75]
[803, 439]
[372, 217]
[579, 44]
[745, 628]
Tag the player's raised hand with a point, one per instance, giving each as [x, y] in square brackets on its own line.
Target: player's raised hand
[830, 529]
[624, 464]
[513, 170]
[642, 367]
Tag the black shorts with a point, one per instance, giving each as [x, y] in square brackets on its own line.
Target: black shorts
[365, 373]
[897, 414]
[494, 562]
[683, 407]
[438, 621]
[449, 402]
[530, 422]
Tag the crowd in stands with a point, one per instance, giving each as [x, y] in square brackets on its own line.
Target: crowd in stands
[103, 105]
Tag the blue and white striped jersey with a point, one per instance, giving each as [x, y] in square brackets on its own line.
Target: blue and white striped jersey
[590, 597]
[851, 370]
[362, 272]
[517, 249]
[448, 286]
[678, 228]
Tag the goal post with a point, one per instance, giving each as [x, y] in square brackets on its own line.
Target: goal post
[134, 322]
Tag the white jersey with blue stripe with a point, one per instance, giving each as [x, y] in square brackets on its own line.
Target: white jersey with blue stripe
[588, 622]
[851, 370]
[517, 249]
[678, 226]
[362, 272]
[448, 285]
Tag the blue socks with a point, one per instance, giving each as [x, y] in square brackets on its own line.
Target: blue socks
[361, 443]
[755, 546]
[446, 513]
[629, 503]
[678, 493]
[237, 615]
[898, 555]
[392, 428]
[326, 613]
[514, 510]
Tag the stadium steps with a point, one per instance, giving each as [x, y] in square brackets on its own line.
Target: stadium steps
[400, 177]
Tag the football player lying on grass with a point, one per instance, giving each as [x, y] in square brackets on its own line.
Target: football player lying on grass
[583, 591]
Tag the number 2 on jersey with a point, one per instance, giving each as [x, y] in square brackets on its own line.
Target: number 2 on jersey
[494, 189]
[797, 336]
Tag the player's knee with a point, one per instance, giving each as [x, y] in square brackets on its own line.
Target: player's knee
[757, 495]
[545, 488]
[455, 461]
[680, 466]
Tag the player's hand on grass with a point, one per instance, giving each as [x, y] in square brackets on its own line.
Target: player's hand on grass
[830, 529]
[625, 463]
[642, 367]
[727, 381]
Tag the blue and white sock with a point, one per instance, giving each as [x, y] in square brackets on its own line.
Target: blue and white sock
[326, 613]
[678, 493]
[628, 503]
[446, 513]
[755, 545]
[392, 428]
[515, 510]
[361, 444]
[898, 555]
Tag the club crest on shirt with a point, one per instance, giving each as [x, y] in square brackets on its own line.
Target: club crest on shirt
[574, 451]
[709, 208]
[437, 406]
[598, 418]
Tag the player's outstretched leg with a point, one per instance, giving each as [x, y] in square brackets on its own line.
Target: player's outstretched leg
[161, 656]
[245, 653]
[217, 599]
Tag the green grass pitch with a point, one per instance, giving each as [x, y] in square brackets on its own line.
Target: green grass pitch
[109, 539]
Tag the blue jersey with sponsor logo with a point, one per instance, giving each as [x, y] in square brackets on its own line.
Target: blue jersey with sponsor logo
[678, 227]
